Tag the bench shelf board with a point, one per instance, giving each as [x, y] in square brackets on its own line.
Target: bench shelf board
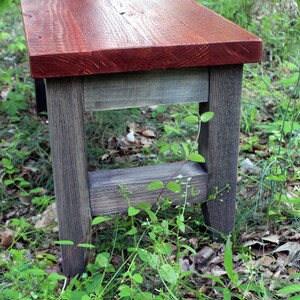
[104, 188]
[136, 89]
[73, 38]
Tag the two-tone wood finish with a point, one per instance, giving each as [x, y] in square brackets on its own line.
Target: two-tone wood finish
[72, 38]
[92, 37]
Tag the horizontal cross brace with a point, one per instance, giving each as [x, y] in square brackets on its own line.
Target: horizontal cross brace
[137, 89]
[105, 186]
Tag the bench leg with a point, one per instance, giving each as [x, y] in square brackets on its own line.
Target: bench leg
[219, 144]
[67, 137]
[40, 96]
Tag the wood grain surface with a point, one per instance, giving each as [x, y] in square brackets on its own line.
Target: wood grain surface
[67, 137]
[71, 38]
[219, 144]
[105, 191]
[136, 89]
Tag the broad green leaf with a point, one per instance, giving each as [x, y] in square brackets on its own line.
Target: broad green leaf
[35, 191]
[56, 276]
[152, 215]
[185, 149]
[196, 157]
[294, 298]
[132, 211]
[293, 288]
[164, 147]
[175, 148]
[6, 163]
[215, 278]
[228, 259]
[173, 186]
[153, 261]
[145, 296]
[165, 226]
[228, 262]
[34, 272]
[132, 249]
[207, 116]
[189, 248]
[24, 183]
[169, 128]
[168, 274]
[99, 220]
[11, 294]
[9, 181]
[143, 255]
[144, 206]
[180, 223]
[152, 235]
[191, 120]
[64, 242]
[86, 246]
[132, 231]
[226, 294]
[164, 248]
[125, 290]
[155, 185]
[102, 260]
[137, 278]
[295, 201]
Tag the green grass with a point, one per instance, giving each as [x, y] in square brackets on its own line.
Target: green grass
[137, 255]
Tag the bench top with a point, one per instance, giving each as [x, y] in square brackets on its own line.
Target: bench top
[73, 38]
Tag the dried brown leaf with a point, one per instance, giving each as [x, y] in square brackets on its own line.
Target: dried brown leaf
[205, 253]
[266, 260]
[48, 217]
[194, 242]
[149, 133]
[218, 271]
[147, 143]
[24, 200]
[252, 243]
[7, 238]
[291, 247]
[272, 238]
[186, 265]
[130, 137]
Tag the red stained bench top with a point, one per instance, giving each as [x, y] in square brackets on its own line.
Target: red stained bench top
[82, 37]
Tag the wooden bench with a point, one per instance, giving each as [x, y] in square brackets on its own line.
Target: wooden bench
[107, 54]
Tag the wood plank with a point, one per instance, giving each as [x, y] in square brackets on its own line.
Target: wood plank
[72, 38]
[67, 136]
[219, 144]
[105, 186]
[136, 89]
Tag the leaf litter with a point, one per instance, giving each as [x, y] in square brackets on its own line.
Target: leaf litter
[274, 256]
[128, 148]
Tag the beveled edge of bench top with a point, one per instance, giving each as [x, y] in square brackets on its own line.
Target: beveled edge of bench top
[73, 38]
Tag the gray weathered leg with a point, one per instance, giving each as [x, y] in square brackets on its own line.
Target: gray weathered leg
[67, 137]
[219, 144]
